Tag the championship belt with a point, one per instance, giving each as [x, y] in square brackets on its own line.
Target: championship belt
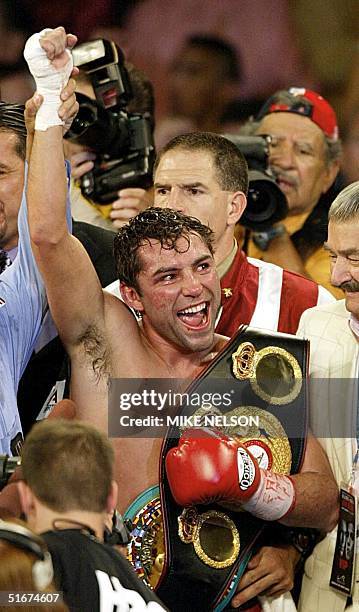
[207, 548]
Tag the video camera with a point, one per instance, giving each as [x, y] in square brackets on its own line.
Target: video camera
[266, 203]
[8, 466]
[123, 141]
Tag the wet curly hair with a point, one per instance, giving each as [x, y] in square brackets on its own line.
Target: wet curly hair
[161, 224]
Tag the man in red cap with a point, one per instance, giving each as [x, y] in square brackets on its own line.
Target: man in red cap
[304, 156]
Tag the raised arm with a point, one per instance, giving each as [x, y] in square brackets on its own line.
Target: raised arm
[74, 292]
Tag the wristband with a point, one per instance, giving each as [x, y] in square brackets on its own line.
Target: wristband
[274, 498]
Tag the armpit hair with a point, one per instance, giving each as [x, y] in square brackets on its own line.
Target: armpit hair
[96, 351]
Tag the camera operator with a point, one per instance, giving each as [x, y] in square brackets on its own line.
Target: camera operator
[304, 157]
[131, 199]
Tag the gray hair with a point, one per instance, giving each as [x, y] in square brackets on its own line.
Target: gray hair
[333, 148]
[346, 205]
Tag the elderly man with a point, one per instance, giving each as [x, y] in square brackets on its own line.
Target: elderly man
[334, 334]
[304, 156]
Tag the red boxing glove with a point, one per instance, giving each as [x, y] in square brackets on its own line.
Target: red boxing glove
[207, 466]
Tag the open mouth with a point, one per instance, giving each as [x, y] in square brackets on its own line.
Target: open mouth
[195, 317]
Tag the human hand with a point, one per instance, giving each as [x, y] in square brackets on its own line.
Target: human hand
[50, 62]
[270, 572]
[55, 44]
[81, 162]
[131, 201]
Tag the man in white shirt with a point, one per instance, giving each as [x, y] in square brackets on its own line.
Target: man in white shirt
[333, 330]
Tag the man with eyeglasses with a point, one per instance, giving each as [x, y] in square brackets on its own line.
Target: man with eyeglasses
[304, 157]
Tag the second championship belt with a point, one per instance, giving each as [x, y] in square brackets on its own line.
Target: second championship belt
[261, 379]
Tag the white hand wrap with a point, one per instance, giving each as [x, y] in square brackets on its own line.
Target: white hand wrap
[49, 81]
[274, 498]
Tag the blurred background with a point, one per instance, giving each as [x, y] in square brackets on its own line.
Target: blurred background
[276, 44]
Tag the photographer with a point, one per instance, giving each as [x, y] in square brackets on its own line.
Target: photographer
[87, 152]
[304, 157]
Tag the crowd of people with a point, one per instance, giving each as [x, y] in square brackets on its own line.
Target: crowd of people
[189, 296]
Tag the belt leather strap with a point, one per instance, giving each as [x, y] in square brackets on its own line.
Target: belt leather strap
[187, 583]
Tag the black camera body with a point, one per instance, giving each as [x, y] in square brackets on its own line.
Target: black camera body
[266, 203]
[123, 141]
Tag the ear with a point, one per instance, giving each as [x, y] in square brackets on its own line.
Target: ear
[112, 497]
[131, 297]
[236, 205]
[26, 497]
[331, 173]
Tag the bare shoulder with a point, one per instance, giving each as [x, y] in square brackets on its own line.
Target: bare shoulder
[220, 342]
[100, 338]
[119, 318]
[120, 322]
[218, 345]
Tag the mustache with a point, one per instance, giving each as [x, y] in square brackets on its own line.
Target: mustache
[351, 286]
[280, 174]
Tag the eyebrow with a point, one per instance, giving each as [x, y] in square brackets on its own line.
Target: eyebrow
[182, 185]
[167, 269]
[352, 251]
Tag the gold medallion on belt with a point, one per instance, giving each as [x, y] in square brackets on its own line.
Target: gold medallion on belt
[275, 376]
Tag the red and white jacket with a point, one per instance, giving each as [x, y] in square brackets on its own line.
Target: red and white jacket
[263, 295]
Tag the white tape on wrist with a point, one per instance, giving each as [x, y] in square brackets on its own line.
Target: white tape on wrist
[274, 498]
[49, 81]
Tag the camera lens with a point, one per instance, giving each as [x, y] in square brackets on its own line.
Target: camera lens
[85, 118]
[266, 203]
[261, 201]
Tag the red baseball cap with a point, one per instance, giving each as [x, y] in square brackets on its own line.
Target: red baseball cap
[303, 102]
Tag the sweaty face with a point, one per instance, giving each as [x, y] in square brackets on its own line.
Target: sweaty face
[343, 247]
[180, 294]
[11, 185]
[186, 181]
[297, 157]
